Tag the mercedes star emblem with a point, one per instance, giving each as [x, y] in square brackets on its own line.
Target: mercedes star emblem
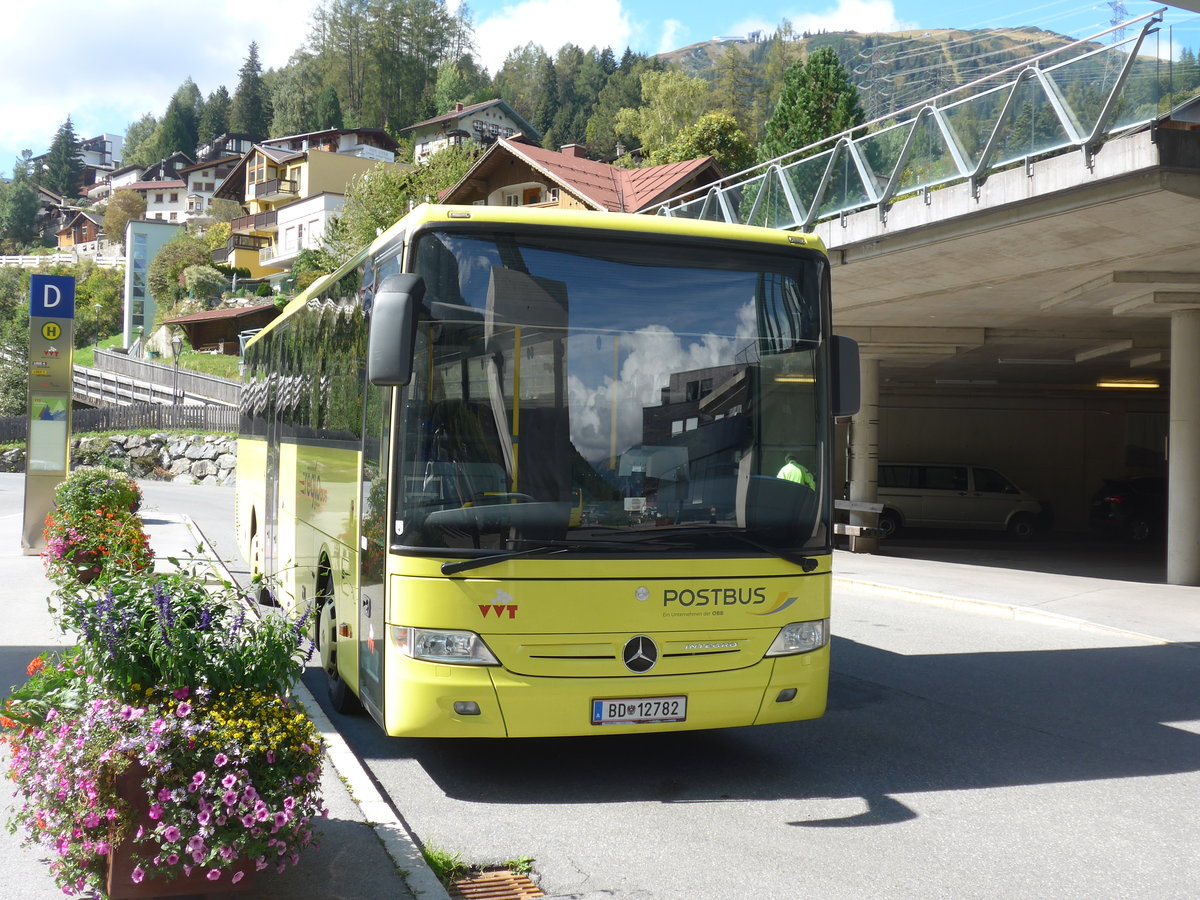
[640, 654]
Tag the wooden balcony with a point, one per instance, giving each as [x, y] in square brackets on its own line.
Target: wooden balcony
[275, 189]
[266, 221]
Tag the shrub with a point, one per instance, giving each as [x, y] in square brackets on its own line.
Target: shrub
[91, 487]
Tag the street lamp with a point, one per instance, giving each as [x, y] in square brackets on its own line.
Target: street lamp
[176, 346]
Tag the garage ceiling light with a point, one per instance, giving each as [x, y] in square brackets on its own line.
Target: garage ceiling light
[1036, 362]
[1128, 383]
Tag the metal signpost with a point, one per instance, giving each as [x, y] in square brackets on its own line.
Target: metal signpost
[47, 448]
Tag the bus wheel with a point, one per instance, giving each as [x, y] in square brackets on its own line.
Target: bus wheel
[341, 698]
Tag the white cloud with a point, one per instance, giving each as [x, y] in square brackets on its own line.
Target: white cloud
[845, 15]
[552, 23]
[674, 36]
[124, 58]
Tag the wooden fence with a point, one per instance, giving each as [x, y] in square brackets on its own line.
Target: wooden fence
[141, 415]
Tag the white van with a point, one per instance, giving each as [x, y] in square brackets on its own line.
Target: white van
[953, 495]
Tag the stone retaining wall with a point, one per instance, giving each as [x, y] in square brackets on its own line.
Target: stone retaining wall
[192, 458]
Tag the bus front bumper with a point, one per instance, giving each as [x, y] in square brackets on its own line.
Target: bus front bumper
[433, 700]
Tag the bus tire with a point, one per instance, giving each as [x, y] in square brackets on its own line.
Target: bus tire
[341, 698]
[889, 523]
[1022, 527]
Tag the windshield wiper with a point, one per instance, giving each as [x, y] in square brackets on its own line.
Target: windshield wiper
[545, 548]
[807, 563]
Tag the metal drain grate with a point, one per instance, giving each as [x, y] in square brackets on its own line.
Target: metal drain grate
[495, 885]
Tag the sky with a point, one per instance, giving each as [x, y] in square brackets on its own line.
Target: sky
[106, 64]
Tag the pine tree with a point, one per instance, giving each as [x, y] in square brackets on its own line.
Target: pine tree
[19, 205]
[214, 120]
[250, 112]
[62, 172]
[329, 109]
[818, 101]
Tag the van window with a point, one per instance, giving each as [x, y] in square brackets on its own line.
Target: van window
[992, 482]
[945, 478]
[899, 477]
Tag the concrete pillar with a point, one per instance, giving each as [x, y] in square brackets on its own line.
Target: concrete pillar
[864, 453]
[1183, 504]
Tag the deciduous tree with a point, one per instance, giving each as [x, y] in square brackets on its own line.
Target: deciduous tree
[123, 207]
[714, 134]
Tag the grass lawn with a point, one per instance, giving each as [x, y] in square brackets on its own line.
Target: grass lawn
[220, 365]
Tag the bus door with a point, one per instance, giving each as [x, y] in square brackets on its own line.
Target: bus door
[270, 524]
[374, 537]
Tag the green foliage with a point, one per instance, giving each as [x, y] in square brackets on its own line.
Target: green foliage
[214, 119]
[99, 295]
[217, 236]
[263, 289]
[99, 544]
[671, 101]
[140, 147]
[818, 101]
[204, 282]
[250, 109]
[329, 109]
[715, 134]
[180, 126]
[123, 207]
[19, 206]
[62, 170]
[380, 197]
[164, 273]
[89, 488]
[295, 91]
[14, 337]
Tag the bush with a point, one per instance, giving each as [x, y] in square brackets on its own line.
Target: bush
[91, 487]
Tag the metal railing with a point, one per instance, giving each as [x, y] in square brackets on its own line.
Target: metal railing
[159, 380]
[1070, 98]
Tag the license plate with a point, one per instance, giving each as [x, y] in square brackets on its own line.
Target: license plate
[639, 710]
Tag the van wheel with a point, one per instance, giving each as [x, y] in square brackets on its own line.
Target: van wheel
[889, 523]
[1022, 527]
[341, 698]
[1138, 530]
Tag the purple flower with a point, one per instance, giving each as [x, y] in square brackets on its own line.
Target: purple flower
[183, 709]
[213, 874]
[137, 875]
[220, 759]
[180, 693]
[172, 833]
[155, 811]
[158, 727]
[199, 777]
[237, 876]
[281, 819]
[230, 798]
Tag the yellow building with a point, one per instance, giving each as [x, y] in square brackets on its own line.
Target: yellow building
[290, 188]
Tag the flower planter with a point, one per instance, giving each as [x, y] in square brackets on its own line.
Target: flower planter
[120, 883]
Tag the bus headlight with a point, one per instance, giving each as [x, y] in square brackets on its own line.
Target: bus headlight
[800, 637]
[435, 645]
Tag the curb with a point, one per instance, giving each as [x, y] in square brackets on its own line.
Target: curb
[1004, 610]
[398, 841]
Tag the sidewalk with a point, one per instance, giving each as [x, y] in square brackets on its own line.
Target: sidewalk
[987, 579]
[363, 846]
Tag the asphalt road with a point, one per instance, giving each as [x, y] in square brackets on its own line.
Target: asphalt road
[962, 756]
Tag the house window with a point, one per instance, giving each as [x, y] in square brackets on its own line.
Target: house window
[174, 198]
[300, 235]
[158, 198]
[553, 195]
[174, 216]
[512, 200]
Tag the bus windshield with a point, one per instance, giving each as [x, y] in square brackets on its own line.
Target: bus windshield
[615, 395]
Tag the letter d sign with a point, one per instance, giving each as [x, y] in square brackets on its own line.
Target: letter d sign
[52, 296]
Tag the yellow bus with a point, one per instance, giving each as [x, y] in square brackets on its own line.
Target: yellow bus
[527, 465]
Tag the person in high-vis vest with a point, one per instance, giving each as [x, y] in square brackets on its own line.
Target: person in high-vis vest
[793, 471]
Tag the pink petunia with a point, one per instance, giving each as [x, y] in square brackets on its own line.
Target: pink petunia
[199, 777]
[183, 709]
[180, 693]
[155, 811]
[172, 833]
[220, 759]
[213, 874]
[237, 876]
[137, 875]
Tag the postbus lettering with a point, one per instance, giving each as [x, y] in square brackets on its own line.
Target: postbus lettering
[715, 596]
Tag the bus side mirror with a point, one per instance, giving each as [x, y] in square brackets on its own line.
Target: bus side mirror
[846, 388]
[393, 330]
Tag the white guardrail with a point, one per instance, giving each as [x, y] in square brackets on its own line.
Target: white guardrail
[36, 261]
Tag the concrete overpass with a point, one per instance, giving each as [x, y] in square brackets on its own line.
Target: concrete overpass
[997, 277]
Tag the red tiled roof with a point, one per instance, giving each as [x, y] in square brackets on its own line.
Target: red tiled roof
[605, 186]
[154, 186]
[210, 315]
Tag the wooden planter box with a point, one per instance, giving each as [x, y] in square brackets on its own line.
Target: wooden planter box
[120, 884]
